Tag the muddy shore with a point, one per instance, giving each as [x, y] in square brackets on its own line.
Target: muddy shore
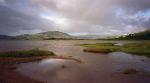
[7, 73]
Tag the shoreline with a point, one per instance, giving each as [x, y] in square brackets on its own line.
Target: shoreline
[8, 75]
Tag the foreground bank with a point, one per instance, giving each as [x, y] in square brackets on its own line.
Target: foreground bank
[9, 59]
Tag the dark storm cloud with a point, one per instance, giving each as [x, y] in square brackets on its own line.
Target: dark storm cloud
[13, 22]
[134, 6]
[104, 17]
[103, 13]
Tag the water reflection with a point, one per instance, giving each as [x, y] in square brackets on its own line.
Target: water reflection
[124, 61]
[93, 70]
[96, 68]
[48, 70]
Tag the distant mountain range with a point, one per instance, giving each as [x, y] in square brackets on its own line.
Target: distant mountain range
[144, 35]
[50, 35]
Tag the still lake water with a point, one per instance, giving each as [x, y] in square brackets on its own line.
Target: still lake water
[95, 67]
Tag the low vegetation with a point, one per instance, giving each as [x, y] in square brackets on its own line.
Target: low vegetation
[142, 48]
[27, 53]
[144, 35]
[100, 47]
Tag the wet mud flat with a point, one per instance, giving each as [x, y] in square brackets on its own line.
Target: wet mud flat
[8, 74]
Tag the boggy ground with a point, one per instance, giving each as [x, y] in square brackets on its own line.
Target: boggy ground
[115, 67]
[8, 60]
[142, 48]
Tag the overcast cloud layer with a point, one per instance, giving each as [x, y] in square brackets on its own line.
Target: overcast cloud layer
[77, 17]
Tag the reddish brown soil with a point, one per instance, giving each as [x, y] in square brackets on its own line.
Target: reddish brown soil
[7, 73]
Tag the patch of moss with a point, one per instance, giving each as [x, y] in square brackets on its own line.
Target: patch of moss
[27, 53]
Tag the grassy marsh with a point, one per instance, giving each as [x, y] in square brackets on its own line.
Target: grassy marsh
[142, 48]
[27, 53]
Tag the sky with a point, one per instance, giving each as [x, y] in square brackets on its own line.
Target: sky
[75, 17]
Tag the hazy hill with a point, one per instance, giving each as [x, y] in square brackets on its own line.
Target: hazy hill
[91, 37]
[45, 36]
[6, 37]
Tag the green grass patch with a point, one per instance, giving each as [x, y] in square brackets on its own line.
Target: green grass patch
[142, 48]
[100, 47]
[27, 53]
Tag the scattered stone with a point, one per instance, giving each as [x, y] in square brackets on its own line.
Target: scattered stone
[130, 71]
[63, 66]
[12, 68]
[69, 56]
[142, 60]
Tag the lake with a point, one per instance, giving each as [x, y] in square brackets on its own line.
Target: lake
[95, 67]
